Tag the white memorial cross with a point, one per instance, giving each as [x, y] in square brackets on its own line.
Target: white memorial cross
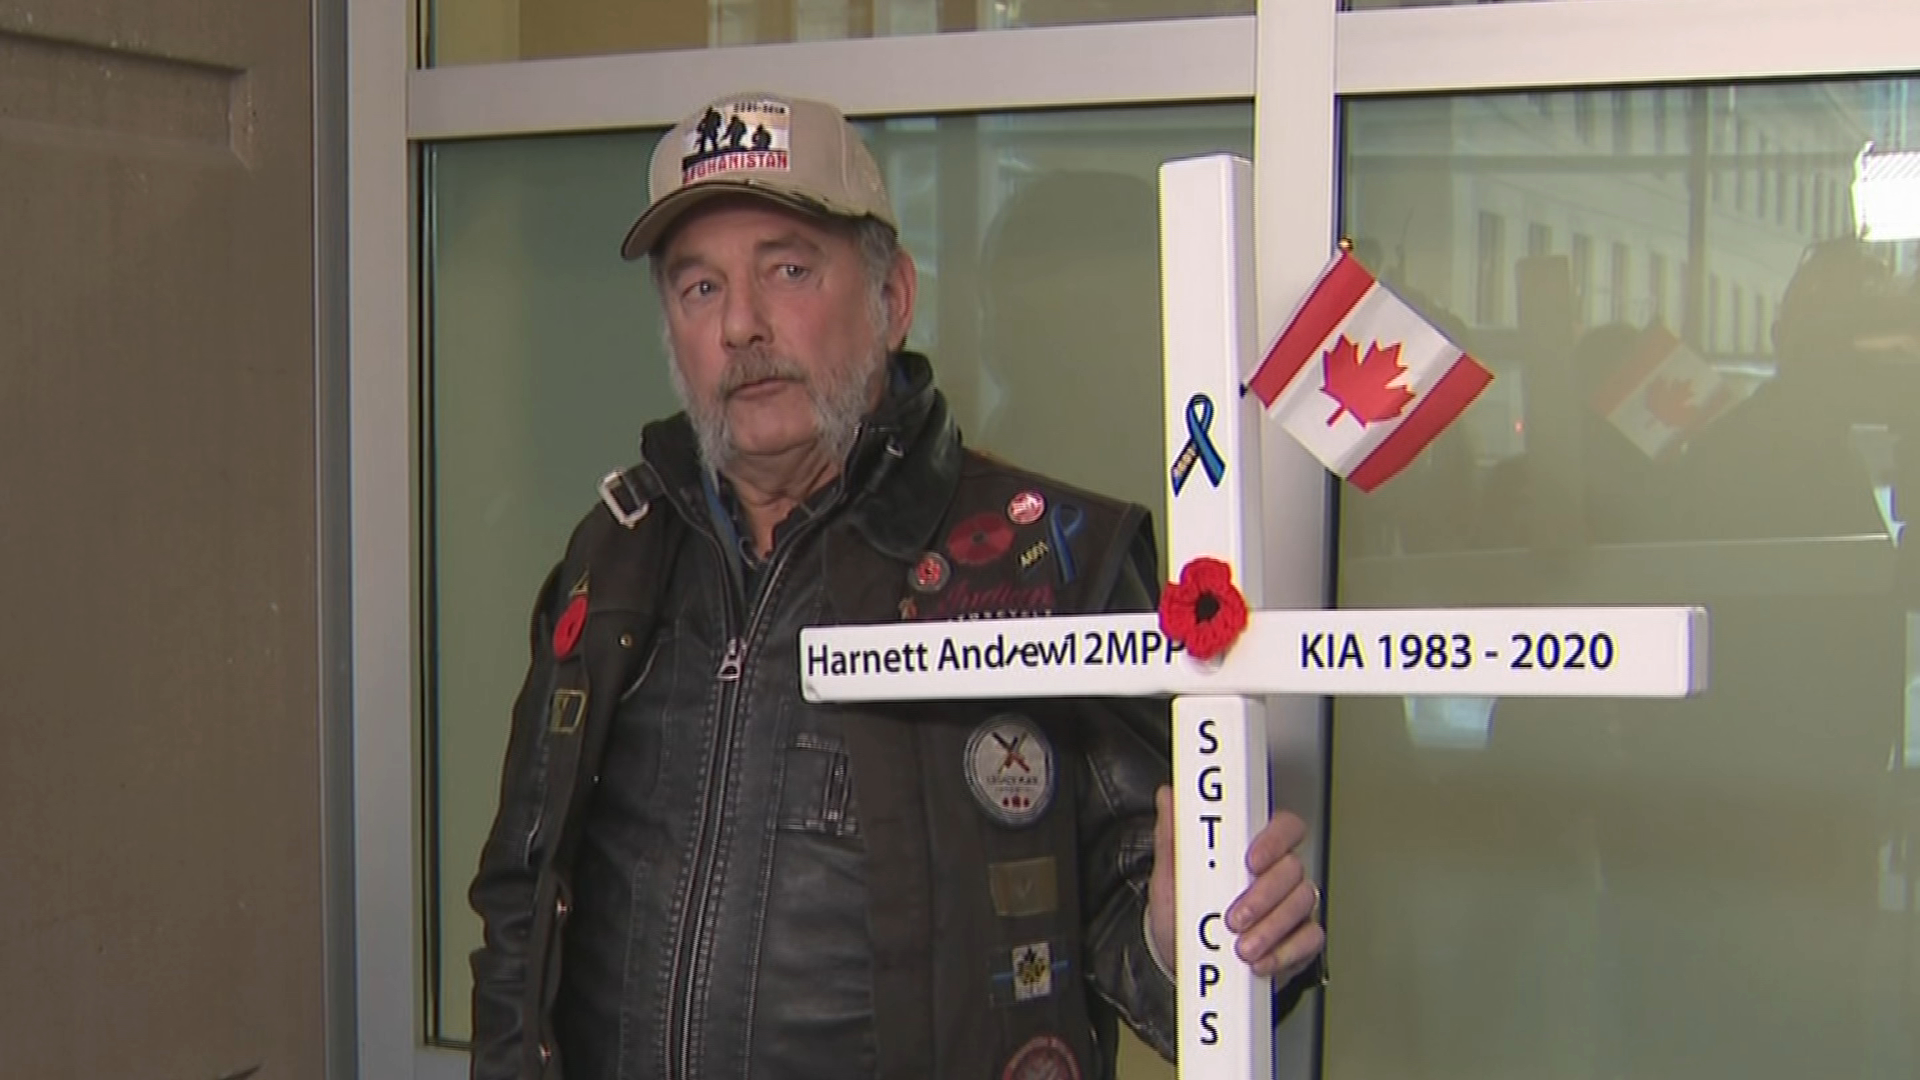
[1220, 752]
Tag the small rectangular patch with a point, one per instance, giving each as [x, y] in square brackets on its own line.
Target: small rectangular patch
[1024, 888]
[568, 709]
[1026, 973]
[1032, 971]
[1034, 554]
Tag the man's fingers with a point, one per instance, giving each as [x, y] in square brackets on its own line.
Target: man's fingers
[1163, 825]
[1304, 944]
[1267, 893]
[1275, 842]
[1276, 941]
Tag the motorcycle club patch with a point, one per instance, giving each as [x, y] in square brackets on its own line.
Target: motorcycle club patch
[1043, 1057]
[1010, 768]
[1004, 600]
[738, 135]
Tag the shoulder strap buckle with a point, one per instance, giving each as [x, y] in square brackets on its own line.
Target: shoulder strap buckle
[626, 501]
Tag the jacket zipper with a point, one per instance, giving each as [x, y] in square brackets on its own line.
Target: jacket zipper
[694, 918]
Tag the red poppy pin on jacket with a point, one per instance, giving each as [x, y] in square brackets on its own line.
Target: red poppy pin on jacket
[566, 632]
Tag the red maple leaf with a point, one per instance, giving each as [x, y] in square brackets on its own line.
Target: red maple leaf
[1362, 386]
[1670, 401]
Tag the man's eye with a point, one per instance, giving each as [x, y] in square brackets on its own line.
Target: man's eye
[700, 288]
[792, 272]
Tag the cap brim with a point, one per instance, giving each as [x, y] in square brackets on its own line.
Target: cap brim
[652, 225]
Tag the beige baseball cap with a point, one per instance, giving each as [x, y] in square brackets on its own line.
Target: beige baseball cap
[796, 152]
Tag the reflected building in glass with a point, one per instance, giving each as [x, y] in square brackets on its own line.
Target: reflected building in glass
[1552, 230]
[1720, 887]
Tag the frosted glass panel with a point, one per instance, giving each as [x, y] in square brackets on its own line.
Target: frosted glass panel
[490, 31]
[1037, 242]
[1720, 887]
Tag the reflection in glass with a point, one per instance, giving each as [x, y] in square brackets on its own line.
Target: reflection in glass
[1707, 392]
[1036, 238]
[490, 31]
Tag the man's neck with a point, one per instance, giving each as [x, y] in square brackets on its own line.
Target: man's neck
[767, 489]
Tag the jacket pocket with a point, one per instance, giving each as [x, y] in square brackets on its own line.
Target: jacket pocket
[639, 678]
[816, 792]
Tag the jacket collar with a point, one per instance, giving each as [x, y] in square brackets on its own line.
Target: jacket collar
[897, 478]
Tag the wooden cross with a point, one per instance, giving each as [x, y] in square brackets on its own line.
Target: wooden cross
[1220, 749]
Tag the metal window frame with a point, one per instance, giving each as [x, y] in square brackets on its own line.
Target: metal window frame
[1308, 58]
[380, 594]
[1174, 60]
[1551, 44]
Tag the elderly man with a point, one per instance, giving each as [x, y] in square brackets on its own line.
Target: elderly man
[694, 872]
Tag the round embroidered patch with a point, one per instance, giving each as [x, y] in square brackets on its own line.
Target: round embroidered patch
[980, 539]
[930, 573]
[1010, 769]
[1043, 1057]
[1027, 508]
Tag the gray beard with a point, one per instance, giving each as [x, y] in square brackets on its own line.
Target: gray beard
[839, 400]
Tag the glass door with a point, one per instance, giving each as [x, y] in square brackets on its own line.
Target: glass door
[1696, 284]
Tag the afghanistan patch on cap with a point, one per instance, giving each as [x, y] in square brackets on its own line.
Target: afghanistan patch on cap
[794, 152]
[1010, 768]
[737, 136]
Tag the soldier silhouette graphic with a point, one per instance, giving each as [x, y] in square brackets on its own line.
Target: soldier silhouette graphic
[708, 133]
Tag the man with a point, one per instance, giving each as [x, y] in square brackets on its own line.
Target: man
[693, 872]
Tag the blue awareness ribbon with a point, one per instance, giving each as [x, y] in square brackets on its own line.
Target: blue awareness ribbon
[1063, 525]
[1199, 449]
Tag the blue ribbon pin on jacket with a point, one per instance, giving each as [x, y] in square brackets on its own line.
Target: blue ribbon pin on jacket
[1063, 525]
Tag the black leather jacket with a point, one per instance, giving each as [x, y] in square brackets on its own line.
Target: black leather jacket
[749, 885]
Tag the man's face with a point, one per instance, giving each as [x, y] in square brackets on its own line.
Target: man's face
[778, 337]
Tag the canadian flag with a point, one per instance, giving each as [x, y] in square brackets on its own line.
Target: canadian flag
[1361, 379]
[1662, 393]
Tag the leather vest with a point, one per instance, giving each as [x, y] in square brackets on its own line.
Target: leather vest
[973, 907]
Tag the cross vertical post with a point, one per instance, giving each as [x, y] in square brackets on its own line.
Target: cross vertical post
[1220, 749]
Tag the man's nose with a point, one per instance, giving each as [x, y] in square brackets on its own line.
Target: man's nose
[744, 321]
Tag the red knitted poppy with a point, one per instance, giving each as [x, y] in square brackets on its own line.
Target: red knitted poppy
[1203, 611]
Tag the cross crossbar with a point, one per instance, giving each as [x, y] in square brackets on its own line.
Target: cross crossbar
[1650, 652]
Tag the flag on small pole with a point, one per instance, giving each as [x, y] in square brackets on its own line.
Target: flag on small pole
[1361, 379]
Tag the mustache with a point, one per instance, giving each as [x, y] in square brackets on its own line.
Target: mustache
[752, 367]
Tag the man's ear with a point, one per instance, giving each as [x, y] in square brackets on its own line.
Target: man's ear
[903, 283]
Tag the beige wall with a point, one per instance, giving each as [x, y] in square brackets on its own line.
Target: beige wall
[160, 876]
[479, 31]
